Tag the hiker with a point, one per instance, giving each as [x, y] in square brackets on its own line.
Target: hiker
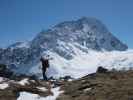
[45, 65]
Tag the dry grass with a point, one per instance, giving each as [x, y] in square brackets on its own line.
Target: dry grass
[100, 86]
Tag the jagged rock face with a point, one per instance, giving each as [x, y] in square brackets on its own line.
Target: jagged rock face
[85, 32]
[88, 32]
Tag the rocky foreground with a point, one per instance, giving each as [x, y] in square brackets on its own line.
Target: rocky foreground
[114, 85]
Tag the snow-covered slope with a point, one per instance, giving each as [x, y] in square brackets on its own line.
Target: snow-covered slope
[75, 47]
[84, 63]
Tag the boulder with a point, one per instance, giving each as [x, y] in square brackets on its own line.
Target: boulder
[101, 69]
[5, 71]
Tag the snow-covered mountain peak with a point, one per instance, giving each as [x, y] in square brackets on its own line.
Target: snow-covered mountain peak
[68, 43]
[90, 22]
[88, 32]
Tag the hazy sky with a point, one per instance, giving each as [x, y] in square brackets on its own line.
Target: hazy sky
[21, 20]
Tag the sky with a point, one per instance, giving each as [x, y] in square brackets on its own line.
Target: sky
[22, 20]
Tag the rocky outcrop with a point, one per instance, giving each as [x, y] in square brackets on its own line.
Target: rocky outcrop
[101, 69]
[100, 86]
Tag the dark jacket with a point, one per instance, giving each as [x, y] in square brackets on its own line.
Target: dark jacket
[45, 63]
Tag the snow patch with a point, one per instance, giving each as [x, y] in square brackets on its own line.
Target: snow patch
[23, 45]
[30, 96]
[1, 79]
[3, 86]
[56, 93]
[23, 82]
[42, 88]
[86, 28]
